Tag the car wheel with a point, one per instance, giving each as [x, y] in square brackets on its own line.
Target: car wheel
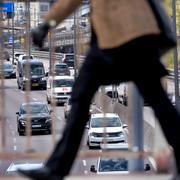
[65, 115]
[48, 100]
[18, 86]
[20, 133]
[49, 131]
[22, 87]
[89, 146]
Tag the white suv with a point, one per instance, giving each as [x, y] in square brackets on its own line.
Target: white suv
[105, 128]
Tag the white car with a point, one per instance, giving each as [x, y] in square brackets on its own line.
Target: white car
[16, 56]
[115, 165]
[25, 57]
[59, 88]
[105, 128]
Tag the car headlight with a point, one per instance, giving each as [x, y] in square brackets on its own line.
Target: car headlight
[48, 120]
[94, 134]
[120, 134]
[25, 79]
[22, 121]
[43, 79]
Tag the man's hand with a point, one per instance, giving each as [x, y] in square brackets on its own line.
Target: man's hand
[38, 35]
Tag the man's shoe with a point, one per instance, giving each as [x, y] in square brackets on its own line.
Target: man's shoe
[40, 174]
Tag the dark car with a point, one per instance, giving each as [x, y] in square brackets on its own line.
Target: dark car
[36, 76]
[39, 114]
[8, 70]
[68, 58]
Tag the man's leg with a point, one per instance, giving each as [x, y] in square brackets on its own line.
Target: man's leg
[169, 118]
[85, 86]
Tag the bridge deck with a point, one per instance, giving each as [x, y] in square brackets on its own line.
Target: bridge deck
[110, 177]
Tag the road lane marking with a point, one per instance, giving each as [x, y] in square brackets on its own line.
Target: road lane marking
[85, 172]
[15, 148]
[84, 162]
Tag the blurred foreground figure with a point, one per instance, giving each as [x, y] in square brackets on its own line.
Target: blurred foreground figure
[128, 39]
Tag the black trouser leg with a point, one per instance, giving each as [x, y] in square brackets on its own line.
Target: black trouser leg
[85, 86]
[168, 116]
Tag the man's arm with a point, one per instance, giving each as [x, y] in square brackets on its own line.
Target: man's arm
[57, 13]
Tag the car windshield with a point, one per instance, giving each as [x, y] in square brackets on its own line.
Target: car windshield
[114, 164]
[60, 68]
[68, 57]
[105, 122]
[8, 66]
[34, 108]
[63, 83]
[36, 69]
[17, 55]
[27, 57]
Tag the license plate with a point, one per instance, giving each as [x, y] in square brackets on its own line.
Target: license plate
[35, 126]
[35, 84]
[62, 100]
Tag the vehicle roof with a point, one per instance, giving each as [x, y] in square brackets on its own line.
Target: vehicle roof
[19, 53]
[31, 61]
[99, 115]
[111, 169]
[34, 103]
[62, 77]
[14, 167]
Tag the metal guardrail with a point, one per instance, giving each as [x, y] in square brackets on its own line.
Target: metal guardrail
[171, 73]
[45, 54]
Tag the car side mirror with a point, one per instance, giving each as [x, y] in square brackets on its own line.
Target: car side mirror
[87, 126]
[125, 125]
[93, 169]
[17, 113]
[47, 73]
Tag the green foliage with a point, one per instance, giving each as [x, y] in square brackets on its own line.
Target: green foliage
[169, 59]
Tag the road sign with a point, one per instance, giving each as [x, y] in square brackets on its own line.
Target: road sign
[10, 40]
[7, 7]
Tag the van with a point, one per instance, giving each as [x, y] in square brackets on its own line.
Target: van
[59, 88]
[36, 74]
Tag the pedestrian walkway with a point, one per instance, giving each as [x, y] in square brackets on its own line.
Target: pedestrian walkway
[109, 177]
